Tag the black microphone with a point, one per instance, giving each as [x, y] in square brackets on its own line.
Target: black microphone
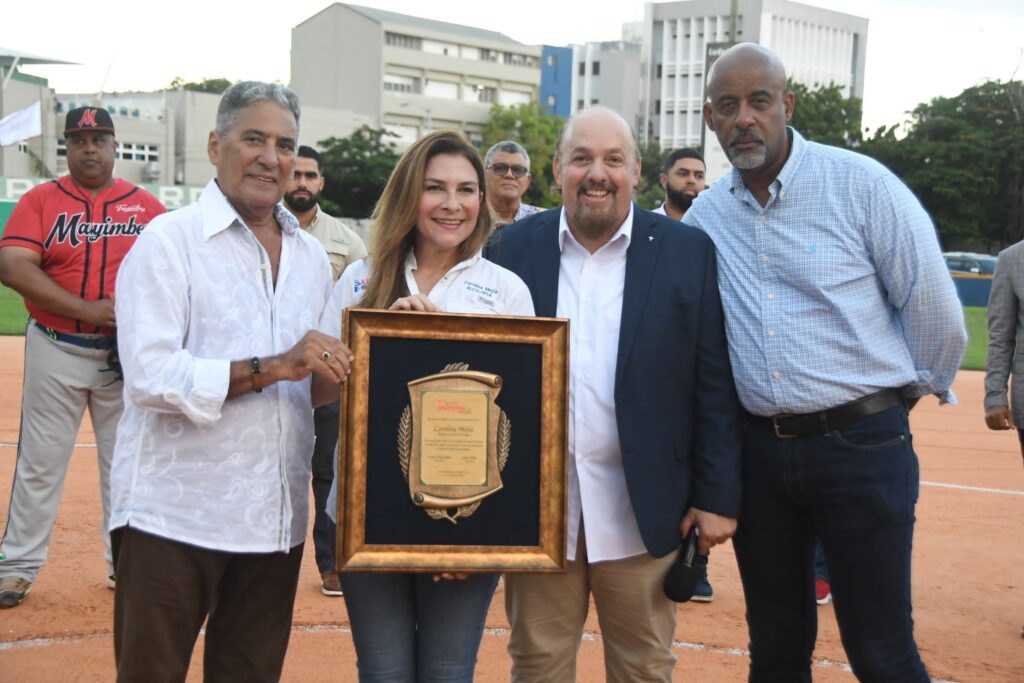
[681, 578]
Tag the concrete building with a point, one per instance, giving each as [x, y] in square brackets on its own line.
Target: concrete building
[162, 136]
[409, 74]
[36, 155]
[556, 79]
[681, 40]
[608, 74]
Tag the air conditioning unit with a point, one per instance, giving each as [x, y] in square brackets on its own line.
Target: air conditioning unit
[151, 172]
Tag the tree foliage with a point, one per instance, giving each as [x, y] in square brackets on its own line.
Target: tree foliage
[824, 115]
[356, 170]
[963, 156]
[649, 194]
[211, 85]
[537, 130]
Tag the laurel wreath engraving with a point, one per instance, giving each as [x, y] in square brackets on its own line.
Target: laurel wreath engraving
[405, 451]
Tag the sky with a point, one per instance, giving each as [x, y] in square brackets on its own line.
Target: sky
[916, 50]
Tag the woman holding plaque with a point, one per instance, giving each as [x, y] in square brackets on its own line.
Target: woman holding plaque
[428, 231]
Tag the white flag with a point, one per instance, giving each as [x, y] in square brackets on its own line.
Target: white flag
[21, 125]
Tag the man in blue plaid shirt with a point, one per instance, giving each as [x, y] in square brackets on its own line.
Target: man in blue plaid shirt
[840, 315]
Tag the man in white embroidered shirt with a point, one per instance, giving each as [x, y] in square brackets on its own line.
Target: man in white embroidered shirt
[218, 306]
[653, 415]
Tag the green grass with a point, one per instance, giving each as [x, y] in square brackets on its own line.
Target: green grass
[12, 321]
[12, 312]
[977, 338]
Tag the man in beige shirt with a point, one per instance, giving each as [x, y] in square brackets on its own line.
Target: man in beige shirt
[343, 247]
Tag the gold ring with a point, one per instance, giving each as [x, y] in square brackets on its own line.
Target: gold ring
[326, 355]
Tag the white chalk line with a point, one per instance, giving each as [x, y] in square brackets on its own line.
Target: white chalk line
[490, 631]
[976, 489]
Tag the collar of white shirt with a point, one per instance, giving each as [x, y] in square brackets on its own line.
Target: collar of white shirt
[410, 265]
[625, 230]
[219, 214]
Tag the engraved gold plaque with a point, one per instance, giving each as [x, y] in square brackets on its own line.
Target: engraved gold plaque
[453, 441]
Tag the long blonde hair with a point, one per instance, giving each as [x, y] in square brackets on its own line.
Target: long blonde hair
[394, 217]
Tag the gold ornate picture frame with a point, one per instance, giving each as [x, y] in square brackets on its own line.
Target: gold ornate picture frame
[452, 443]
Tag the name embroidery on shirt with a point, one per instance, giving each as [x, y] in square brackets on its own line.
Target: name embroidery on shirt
[74, 231]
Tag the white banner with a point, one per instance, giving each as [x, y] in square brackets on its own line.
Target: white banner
[21, 125]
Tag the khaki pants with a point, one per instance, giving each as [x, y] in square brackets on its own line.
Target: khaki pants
[61, 381]
[547, 613]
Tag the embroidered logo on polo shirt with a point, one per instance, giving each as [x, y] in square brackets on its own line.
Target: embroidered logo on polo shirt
[358, 286]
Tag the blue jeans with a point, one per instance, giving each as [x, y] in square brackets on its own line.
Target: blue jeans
[855, 489]
[820, 565]
[408, 628]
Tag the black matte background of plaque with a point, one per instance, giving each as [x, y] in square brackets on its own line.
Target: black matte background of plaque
[510, 517]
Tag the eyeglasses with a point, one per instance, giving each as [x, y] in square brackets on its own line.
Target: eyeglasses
[501, 169]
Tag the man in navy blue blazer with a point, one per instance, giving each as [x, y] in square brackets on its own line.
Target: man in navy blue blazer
[653, 415]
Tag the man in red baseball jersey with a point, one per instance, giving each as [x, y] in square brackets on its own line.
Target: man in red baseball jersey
[61, 250]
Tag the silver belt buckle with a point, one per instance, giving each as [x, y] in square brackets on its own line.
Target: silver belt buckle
[775, 426]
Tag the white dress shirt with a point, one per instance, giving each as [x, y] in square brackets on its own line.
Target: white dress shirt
[195, 293]
[475, 285]
[590, 294]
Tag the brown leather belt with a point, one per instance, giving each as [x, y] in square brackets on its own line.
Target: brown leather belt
[789, 426]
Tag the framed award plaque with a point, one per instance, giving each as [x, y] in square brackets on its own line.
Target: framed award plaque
[452, 443]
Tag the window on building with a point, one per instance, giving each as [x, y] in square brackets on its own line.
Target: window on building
[442, 89]
[658, 71]
[62, 147]
[510, 98]
[488, 55]
[401, 84]
[469, 52]
[593, 102]
[579, 105]
[515, 59]
[583, 69]
[551, 101]
[595, 68]
[487, 95]
[435, 47]
[135, 151]
[657, 106]
[552, 60]
[402, 40]
[404, 133]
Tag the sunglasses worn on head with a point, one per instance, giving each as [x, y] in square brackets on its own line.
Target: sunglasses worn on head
[501, 169]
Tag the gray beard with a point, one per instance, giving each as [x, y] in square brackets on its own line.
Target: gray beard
[747, 160]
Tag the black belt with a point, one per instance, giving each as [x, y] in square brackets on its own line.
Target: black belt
[107, 342]
[787, 426]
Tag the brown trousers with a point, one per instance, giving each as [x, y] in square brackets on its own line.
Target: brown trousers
[547, 613]
[166, 589]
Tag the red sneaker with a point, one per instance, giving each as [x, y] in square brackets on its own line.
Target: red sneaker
[822, 591]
